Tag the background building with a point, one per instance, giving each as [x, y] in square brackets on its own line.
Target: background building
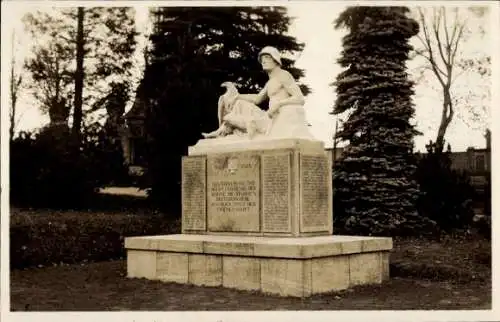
[475, 162]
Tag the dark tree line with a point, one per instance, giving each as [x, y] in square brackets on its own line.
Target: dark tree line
[81, 61]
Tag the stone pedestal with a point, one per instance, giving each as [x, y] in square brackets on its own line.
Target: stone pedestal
[293, 266]
[257, 215]
[263, 188]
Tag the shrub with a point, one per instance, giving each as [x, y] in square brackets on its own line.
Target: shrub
[47, 170]
[45, 237]
[487, 196]
[103, 149]
[482, 224]
[446, 195]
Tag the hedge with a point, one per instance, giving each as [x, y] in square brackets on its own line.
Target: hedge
[48, 237]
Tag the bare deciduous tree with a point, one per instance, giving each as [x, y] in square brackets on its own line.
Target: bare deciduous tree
[51, 80]
[444, 32]
[76, 54]
[15, 85]
[79, 75]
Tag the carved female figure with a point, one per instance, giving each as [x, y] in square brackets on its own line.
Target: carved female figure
[285, 116]
[286, 100]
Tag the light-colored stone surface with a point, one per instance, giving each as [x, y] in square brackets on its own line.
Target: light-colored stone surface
[143, 242]
[172, 267]
[298, 247]
[374, 244]
[170, 243]
[310, 247]
[233, 188]
[233, 247]
[205, 270]
[141, 264]
[194, 194]
[352, 246]
[260, 187]
[282, 276]
[365, 268]
[276, 192]
[384, 265]
[295, 181]
[125, 191]
[307, 278]
[330, 274]
[330, 197]
[289, 247]
[318, 249]
[314, 194]
[223, 145]
[191, 245]
[283, 266]
[241, 272]
[277, 249]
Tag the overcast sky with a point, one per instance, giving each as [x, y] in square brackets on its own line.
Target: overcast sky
[313, 26]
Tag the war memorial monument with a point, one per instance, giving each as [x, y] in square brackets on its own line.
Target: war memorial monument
[257, 205]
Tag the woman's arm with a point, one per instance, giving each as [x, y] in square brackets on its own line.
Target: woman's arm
[254, 98]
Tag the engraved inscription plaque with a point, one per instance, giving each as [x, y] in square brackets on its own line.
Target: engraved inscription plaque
[233, 192]
[193, 193]
[314, 193]
[276, 192]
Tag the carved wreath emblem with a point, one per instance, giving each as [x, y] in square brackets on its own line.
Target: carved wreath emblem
[226, 164]
[220, 163]
[232, 165]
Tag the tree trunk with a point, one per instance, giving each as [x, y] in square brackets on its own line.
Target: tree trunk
[446, 117]
[79, 75]
[13, 92]
[13, 101]
[334, 156]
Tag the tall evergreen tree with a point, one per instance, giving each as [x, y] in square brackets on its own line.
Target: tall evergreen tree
[194, 50]
[376, 191]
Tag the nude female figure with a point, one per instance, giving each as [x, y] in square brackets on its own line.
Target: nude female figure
[285, 116]
[286, 100]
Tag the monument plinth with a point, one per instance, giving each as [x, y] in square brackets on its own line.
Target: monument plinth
[259, 218]
[257, 205]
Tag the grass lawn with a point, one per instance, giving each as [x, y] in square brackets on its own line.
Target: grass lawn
[452, 274]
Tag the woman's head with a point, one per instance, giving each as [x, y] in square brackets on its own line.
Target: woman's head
[269, 58]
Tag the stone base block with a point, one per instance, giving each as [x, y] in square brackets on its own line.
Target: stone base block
[298, 267]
